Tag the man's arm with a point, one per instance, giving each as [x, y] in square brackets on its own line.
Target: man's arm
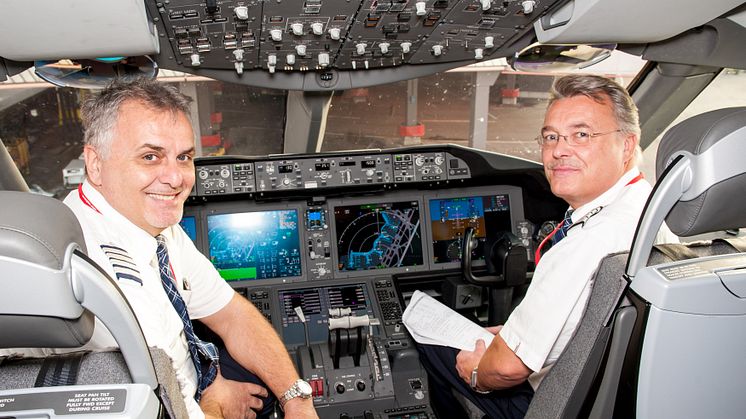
[253, 343]
[499, 367]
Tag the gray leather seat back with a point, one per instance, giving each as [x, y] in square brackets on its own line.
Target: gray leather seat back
[51, 293]
[38, 309]
[714, 207]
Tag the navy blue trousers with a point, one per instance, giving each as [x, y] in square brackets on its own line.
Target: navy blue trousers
[440, 363]
[232, 370]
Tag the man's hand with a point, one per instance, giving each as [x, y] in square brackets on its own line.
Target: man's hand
[466, 361]
[298, 408]
[231, 399]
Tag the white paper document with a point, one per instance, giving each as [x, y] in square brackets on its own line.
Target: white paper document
[432, 322]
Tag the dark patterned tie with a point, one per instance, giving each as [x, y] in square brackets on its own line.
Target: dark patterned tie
[196, 346]
[564, 227]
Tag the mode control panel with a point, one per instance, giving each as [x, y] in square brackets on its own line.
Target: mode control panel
[224, 179]
[278, 175]
[418, 167]
[329, 171]
[311, 173]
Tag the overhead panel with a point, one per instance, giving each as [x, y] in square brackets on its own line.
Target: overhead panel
[337, 35]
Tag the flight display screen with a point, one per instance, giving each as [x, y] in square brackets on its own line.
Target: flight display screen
[255, 245]
[189, 224]
[489, 216]
[378, 236]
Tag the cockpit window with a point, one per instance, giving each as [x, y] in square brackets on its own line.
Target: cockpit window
[41, 128]
[487, 106]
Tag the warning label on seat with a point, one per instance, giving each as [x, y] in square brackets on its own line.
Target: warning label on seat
[67, 402]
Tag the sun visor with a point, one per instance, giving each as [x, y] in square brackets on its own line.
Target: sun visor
[54, 29]
[631, 21]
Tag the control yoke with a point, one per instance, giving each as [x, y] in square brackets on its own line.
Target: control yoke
[507, 262]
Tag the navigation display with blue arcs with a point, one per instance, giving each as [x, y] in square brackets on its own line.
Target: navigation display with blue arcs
[189, 224]
[489, 216]
[255, 245]
[378, 236]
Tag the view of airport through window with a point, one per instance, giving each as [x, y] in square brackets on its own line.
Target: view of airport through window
[40, 124]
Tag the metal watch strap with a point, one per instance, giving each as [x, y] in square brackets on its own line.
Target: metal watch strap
[292, 392]
[473, 382]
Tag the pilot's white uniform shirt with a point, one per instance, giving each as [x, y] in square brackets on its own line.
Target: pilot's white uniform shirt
[540, 327]
[128, 254]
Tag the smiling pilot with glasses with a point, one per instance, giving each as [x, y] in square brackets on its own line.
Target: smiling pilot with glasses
[594, 170]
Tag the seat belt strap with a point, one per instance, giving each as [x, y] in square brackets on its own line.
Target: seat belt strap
[676, 251]
[738, 243]
[59, 370]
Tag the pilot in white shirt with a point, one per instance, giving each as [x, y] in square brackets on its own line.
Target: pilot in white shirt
[128, 254]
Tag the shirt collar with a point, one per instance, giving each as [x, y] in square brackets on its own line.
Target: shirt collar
[143, 245]
[607, 197]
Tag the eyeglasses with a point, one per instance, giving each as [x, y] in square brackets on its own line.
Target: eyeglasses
[577, 138]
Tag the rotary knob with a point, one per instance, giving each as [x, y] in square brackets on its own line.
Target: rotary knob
[300, 49]
[528, 6]
[317, 28]
[421, 8]
[276, 34]
[297, 29]
[335, 33]
[339, 388]
[323, 59]
[195, 60]
[225, 173]
[242, 12]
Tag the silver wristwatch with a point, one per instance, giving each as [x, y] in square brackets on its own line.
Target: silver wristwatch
[299, 388]
[473, 382]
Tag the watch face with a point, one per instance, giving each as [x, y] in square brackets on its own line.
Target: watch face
[304, 388]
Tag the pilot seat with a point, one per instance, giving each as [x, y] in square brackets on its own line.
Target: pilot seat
[664, 331]
[52, 295]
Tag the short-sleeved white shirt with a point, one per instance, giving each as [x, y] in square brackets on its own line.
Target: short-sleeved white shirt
[128, 254]
[541, 326]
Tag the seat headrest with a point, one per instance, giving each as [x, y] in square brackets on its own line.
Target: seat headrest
[716, 141]
[37, 229]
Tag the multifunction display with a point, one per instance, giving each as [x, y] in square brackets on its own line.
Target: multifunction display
[255, 245]
[488, 215]
[378, 235]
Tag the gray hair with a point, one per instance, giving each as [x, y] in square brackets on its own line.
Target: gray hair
[100, 112]
[600, 89]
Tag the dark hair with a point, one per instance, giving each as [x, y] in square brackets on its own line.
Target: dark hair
[100, 112]
[600, 89]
